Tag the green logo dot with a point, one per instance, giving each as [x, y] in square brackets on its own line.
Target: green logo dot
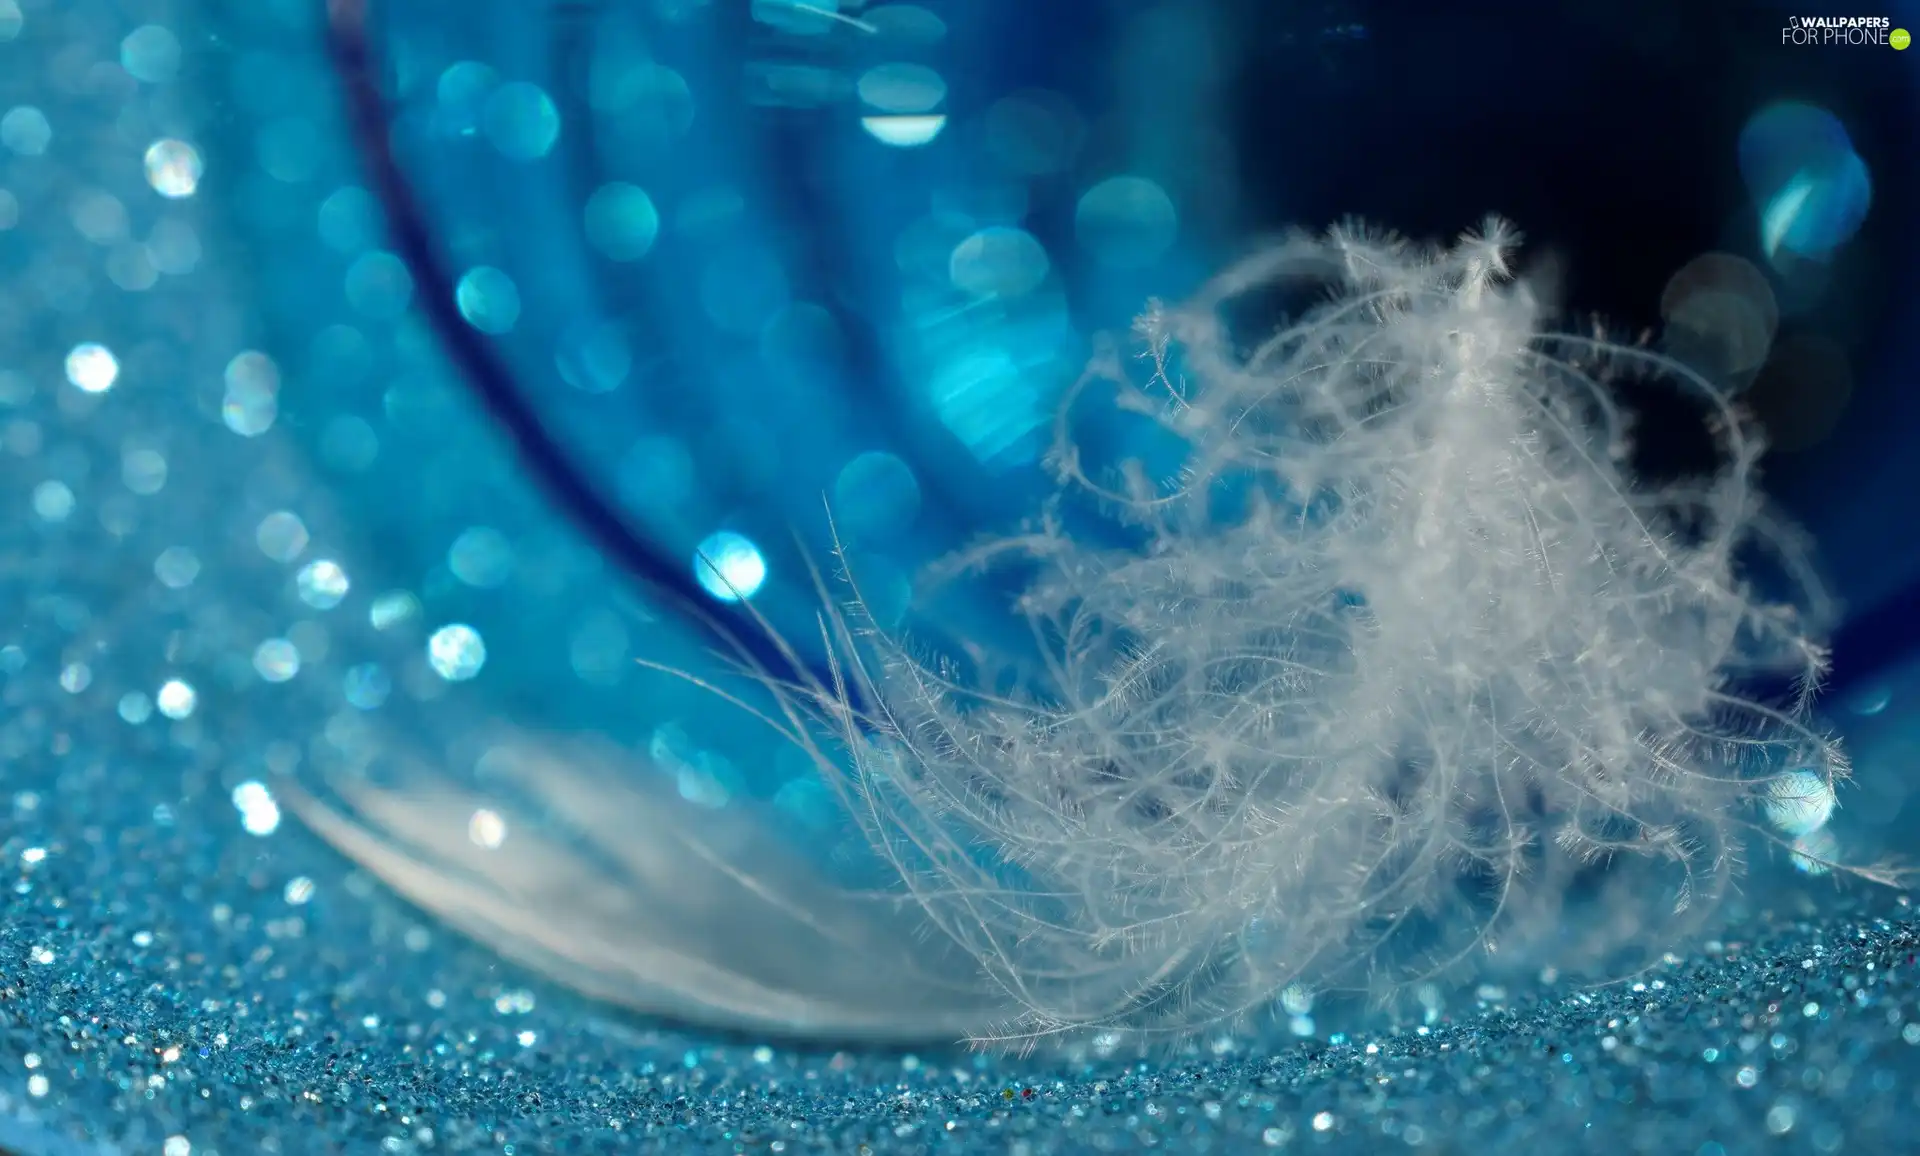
[1899, 39]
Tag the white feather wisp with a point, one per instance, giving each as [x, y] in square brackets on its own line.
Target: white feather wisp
[1402, 674]
[579, 863]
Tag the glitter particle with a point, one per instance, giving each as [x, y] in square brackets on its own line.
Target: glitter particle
[92, 367]
[456, 652]
[281, 536]
[174, 168]
[276, 660]
[487, 829]
[176, 699]
[323, 584]
[259, 814]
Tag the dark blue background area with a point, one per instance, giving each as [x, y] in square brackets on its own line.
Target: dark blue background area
[1607, 133]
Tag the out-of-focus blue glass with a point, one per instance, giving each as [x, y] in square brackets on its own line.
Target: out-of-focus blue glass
[780, 279]
[738, 264]
[751, 264]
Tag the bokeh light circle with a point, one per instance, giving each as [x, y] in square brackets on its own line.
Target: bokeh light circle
[1126, 222]
[729, 566]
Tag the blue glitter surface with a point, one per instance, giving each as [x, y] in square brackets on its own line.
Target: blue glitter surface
[259, 531]
[163, 987]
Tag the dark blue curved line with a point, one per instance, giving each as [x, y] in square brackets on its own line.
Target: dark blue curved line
[492, 383]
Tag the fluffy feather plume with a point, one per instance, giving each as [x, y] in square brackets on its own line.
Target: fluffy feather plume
[1404, 674]
[1409, 674]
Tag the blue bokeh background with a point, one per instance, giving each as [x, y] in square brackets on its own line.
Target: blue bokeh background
[747, 262]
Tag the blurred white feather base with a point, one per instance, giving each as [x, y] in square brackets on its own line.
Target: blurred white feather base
[616, 887]
[1402, 676]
